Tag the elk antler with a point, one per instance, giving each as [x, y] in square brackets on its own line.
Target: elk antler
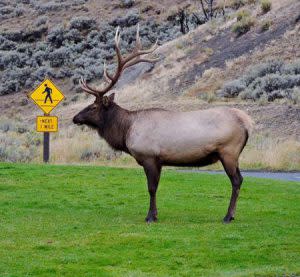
[123, 63]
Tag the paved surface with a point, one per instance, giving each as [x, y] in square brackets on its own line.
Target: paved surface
[288, 176]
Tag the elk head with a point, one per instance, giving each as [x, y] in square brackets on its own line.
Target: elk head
[92, 115]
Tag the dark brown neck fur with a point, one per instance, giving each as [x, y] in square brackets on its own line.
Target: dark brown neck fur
[115, 126]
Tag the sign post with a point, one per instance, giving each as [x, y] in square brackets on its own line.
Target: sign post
[46, 149]
[46, 96]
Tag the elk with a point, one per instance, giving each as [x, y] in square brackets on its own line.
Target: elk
[157, 137]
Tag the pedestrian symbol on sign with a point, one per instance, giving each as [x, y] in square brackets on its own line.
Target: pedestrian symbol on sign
[48, 91]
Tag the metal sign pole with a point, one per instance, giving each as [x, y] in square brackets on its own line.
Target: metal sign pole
[46, 150]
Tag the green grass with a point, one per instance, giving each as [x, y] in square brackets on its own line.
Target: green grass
[88, 221]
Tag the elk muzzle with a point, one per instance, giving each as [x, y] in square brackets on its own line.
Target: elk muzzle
[78, 119]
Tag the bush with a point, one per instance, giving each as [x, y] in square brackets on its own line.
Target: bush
[293, 68]
[82, 23]
[42, 20]
[130, 19]
[73, 36]
[6, 10]
[295, 95]
[56, 36]
[265, 6]
[236, 4]
[59, 57]
[126, 3]
[50, 7]
[242, 14]
[6, 44]
[233, 88]
[19, 11]
[261, 70]
[10, 59]
[272, 80]
[265, 26]
[243, 26]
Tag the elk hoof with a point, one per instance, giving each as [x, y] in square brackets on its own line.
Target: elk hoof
[227, 219]
[151, 219]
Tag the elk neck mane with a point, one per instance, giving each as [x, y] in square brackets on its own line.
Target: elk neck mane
[116, 124]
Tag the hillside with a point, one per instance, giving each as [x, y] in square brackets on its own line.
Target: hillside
[208, 66]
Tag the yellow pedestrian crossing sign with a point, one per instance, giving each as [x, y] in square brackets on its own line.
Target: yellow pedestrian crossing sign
[47, 96]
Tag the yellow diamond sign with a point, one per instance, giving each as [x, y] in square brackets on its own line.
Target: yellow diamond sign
[47, 96]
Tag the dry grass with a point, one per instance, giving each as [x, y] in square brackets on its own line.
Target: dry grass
[210, 82]
[76, 145]
[272, 154]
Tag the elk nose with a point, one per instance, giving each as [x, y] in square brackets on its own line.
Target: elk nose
[76, 119]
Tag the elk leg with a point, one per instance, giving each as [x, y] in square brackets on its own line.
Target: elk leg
[236, 179]
[152, 170]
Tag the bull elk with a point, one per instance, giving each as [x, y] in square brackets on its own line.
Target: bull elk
[158, 137]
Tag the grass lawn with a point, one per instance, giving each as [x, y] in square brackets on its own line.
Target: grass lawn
[89, 221]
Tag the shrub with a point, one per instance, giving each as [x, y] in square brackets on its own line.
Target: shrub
[15, 36]
[236, 4]
[6, 10]
[265, 26]
[243, 26]
[59, 57]
[41, 73]
[39, 57]
[126, 3]
[56, 36]
[73, 36]
[41, 20]
[82, 23]
[242, 14]
[50, 7]
[130, 19]
[293, 68]
[265, 6]
[10, 59]
[19, 11]
[295, 95]
[261, 70]
[272, 80]
[233, 88]
[6, 44]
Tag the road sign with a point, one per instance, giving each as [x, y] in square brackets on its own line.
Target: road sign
[47, 96]
[47, 124]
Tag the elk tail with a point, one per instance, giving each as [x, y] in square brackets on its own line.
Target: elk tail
[246, 120]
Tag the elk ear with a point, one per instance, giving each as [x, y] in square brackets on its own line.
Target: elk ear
[111, 97]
